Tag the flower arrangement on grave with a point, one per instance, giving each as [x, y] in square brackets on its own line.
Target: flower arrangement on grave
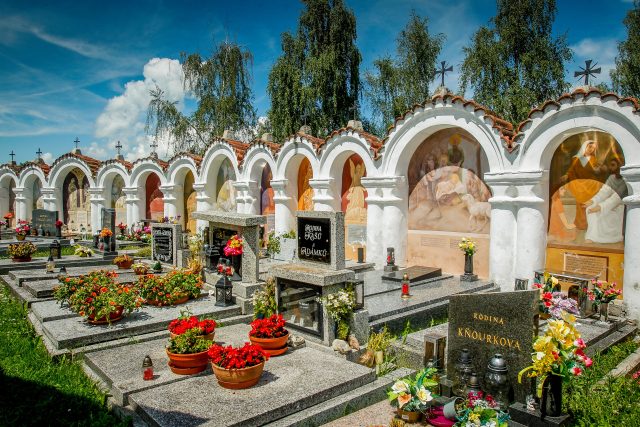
[68, 285]
[175, 287]
[559, 352]
[23, 228]
[82, 251]
[237, 367]
[102, 300]
[264, 299]
[412, 396]
[188, 352]
[186, 322]
[603, 292]
[105, 232]
[479, 410]
[123, 261]
[59, 223]
[234, 246]
[468, 246]
[270, 334]
[225, 270]
[340, 306]
[560, 304]
[122, 228]
[21, 250]
[547, 284]
[140, 268]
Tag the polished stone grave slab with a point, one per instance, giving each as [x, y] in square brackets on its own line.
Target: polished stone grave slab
[289, 384]
[40, 274]
[416, 273]
[375, 284]
[73, 332]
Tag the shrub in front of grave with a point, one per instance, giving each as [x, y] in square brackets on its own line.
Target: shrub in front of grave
[174, 288]
[123, 261]
[188, 352]
[188, 280]
[206, 327]
[68, 285]
[237, 367]
[412, 396]
[264, 299]
[270, 334]
[482, 411]
[22, 251]
[379, 342]
[83, 251]
[140, 268]
[340, 306]
[101, 300]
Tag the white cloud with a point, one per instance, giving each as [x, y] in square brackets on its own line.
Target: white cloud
[48, 158]
[124, 117]
[95, 150]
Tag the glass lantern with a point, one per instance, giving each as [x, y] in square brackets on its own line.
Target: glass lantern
[51, 264]
[147, 368]
[405, 287]
[496, 381]
[473, 385]
[463, 369]
[391, 257]
[55, 250]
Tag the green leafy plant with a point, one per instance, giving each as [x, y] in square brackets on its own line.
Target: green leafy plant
[21, 250]
[264, 299]
[380, 341]
[291, 234]
[157, 266]
[189, 342]
[175, 285]
[273, 243]
[339, 306]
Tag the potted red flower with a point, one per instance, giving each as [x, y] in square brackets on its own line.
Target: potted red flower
[237, 367]
[122, 228]
[22, 230]
[270, 334]
[59, 225]
[186, 322]
[188, 352]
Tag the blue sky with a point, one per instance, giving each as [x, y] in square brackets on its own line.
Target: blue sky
[84, 69]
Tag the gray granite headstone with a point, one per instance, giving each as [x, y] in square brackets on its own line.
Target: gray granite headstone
[108, 221]
[166, 240]
[486, 324]
[45, 219]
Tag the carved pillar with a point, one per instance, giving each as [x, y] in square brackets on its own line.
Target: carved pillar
[173, 201]
[22, 211]
[135, 204]
[203, 203]
[97, 201]
[376, 249]
[324, 197]
[285, 205]
[631, 289]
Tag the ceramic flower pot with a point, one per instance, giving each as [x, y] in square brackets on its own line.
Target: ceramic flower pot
[113, 317]
[20, 237]
[161, 303]
[449, 409]
[124, 265]
[273, 346]
[188, 364]
[208, 337]
[21, 259]
[238, 378]
[409, 416]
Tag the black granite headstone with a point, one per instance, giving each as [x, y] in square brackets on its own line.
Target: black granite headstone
[314, 239]
[162, 244]
[490, 323]
[108, 221]
[45, 219]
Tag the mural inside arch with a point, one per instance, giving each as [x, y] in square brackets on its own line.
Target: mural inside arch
[12, 197]
[305, 192]
[189, 197]
[154, 207]
[354, 206]
[586, 213]
[447, 201]
[76, 208]
[37, 201]
[118, 199]
[267, 205]
[225, 193]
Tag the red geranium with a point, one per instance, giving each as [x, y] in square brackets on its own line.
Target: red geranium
[237, 358]
[183, 324]
[271, 327]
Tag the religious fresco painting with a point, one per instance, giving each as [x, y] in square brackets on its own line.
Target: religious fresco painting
[225, 193]
[267, 204]
[37, 201]
[154, 205]
[447, 201]
[12, 197]
[76, 208]
[586, 213]
[189, 197]
[305, 192]
[354, 206]
[118, 199]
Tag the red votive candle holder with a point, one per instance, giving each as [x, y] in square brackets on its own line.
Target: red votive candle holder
[147, 369]
[405, 286]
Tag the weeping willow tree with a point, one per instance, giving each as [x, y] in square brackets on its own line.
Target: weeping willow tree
[221, 84]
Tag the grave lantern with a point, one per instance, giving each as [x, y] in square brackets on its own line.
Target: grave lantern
[224, 288]
[358, 290]
[96, 240]
[405, 287]
[55, 250]
[63, 270]
[496, 382]
[51, 264]
[391, 257]
[463, 369]
[473, 385]
[147, 368]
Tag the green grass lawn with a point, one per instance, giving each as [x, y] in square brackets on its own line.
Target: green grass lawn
[34, 389]
[44, 253]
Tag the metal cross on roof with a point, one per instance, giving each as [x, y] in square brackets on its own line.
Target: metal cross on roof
[76, 141]
[153, 146]
[443, 70]
[13, 155]
[587, 71]
[305, 116]
[118, 147]
[39, 153]
[354, 108]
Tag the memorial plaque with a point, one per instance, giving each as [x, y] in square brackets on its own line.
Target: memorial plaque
[45, 219]
[356, 234]
[82, 220]
[163, 244]
[590, 265]
[486, 324]
[314, 239]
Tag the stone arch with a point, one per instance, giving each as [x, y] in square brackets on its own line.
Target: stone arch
[8, 183]
[141, 170]
[60, 170]
[112, 179]
[219, 155]
[258, 169]
[181, 177]
[32, 180]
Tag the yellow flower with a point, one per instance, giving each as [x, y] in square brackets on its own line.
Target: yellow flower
[554, 281]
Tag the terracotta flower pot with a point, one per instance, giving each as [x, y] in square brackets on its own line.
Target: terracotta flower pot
[113, 317]
[238, 378]
[208, 337]
[140, 271]
[162, 304]
[409, 416]
[20, 237]
[273, 346]
[187, 364]
[124, 265]
[21, 259]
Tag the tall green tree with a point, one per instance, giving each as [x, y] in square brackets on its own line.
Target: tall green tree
[516, 63]
[317, 74]
[394, 85]
[626, 76]
[221, 85]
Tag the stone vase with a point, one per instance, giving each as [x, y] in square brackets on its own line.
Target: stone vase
[236, 262]
[468, 264]
[551, 401]
[604, 311]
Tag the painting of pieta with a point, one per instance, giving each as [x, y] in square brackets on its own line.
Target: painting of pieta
[586, 191]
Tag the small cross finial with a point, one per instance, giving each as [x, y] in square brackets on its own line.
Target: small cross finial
[39, 153]
[354, 108]
[13, 155]
[443, 70]
[118, 147]
[587, 71]
[76, 141]
[304, 118]
[153, 146]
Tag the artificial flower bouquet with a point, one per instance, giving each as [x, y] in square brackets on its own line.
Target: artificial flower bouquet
[230, 357]
[59, 223]
[603, 292]
[481, 411]
[23, 228]
[21, 249]
[271, 327]
[105, 232]
[548, 285]
[234, 246]
[414, 394]
[560, 351]
[83, 251]
[468, 246]
[225, 270]
[340, 306]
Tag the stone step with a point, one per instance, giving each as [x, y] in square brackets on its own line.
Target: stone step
[73, 332]
[20, 293]
[40, 288]
[337, 407]
[290, 384]
[7, 266]
[624, 333]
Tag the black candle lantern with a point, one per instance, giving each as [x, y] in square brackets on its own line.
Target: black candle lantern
[224, 290]
[496, 381]
[358, 289]
[96, 240]
[207, 258]
[463, 369]
[55, 250]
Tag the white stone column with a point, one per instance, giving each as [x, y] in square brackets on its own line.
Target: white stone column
[324, 197]
[376, 251]
[173, 202]
[394, 205]
[203, 203]
[631, 287]
[22, 211]
[285, 205]
[49, 200]
[135, 204]
[247, 197]
[97, 201]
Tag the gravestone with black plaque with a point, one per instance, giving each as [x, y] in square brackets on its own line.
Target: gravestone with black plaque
[314, 239]
[163, 243]
[108, 221]
[491, 323]
[45, 219]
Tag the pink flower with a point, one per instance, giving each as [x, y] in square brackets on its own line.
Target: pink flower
[588, 362]
[580, 343]
[576, 370]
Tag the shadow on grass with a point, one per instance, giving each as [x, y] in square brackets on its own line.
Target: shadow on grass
[28, 403]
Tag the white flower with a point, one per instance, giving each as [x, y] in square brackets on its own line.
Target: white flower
[400, 387]
[424, 395]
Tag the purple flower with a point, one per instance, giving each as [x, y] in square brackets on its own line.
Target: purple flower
[561, 303]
